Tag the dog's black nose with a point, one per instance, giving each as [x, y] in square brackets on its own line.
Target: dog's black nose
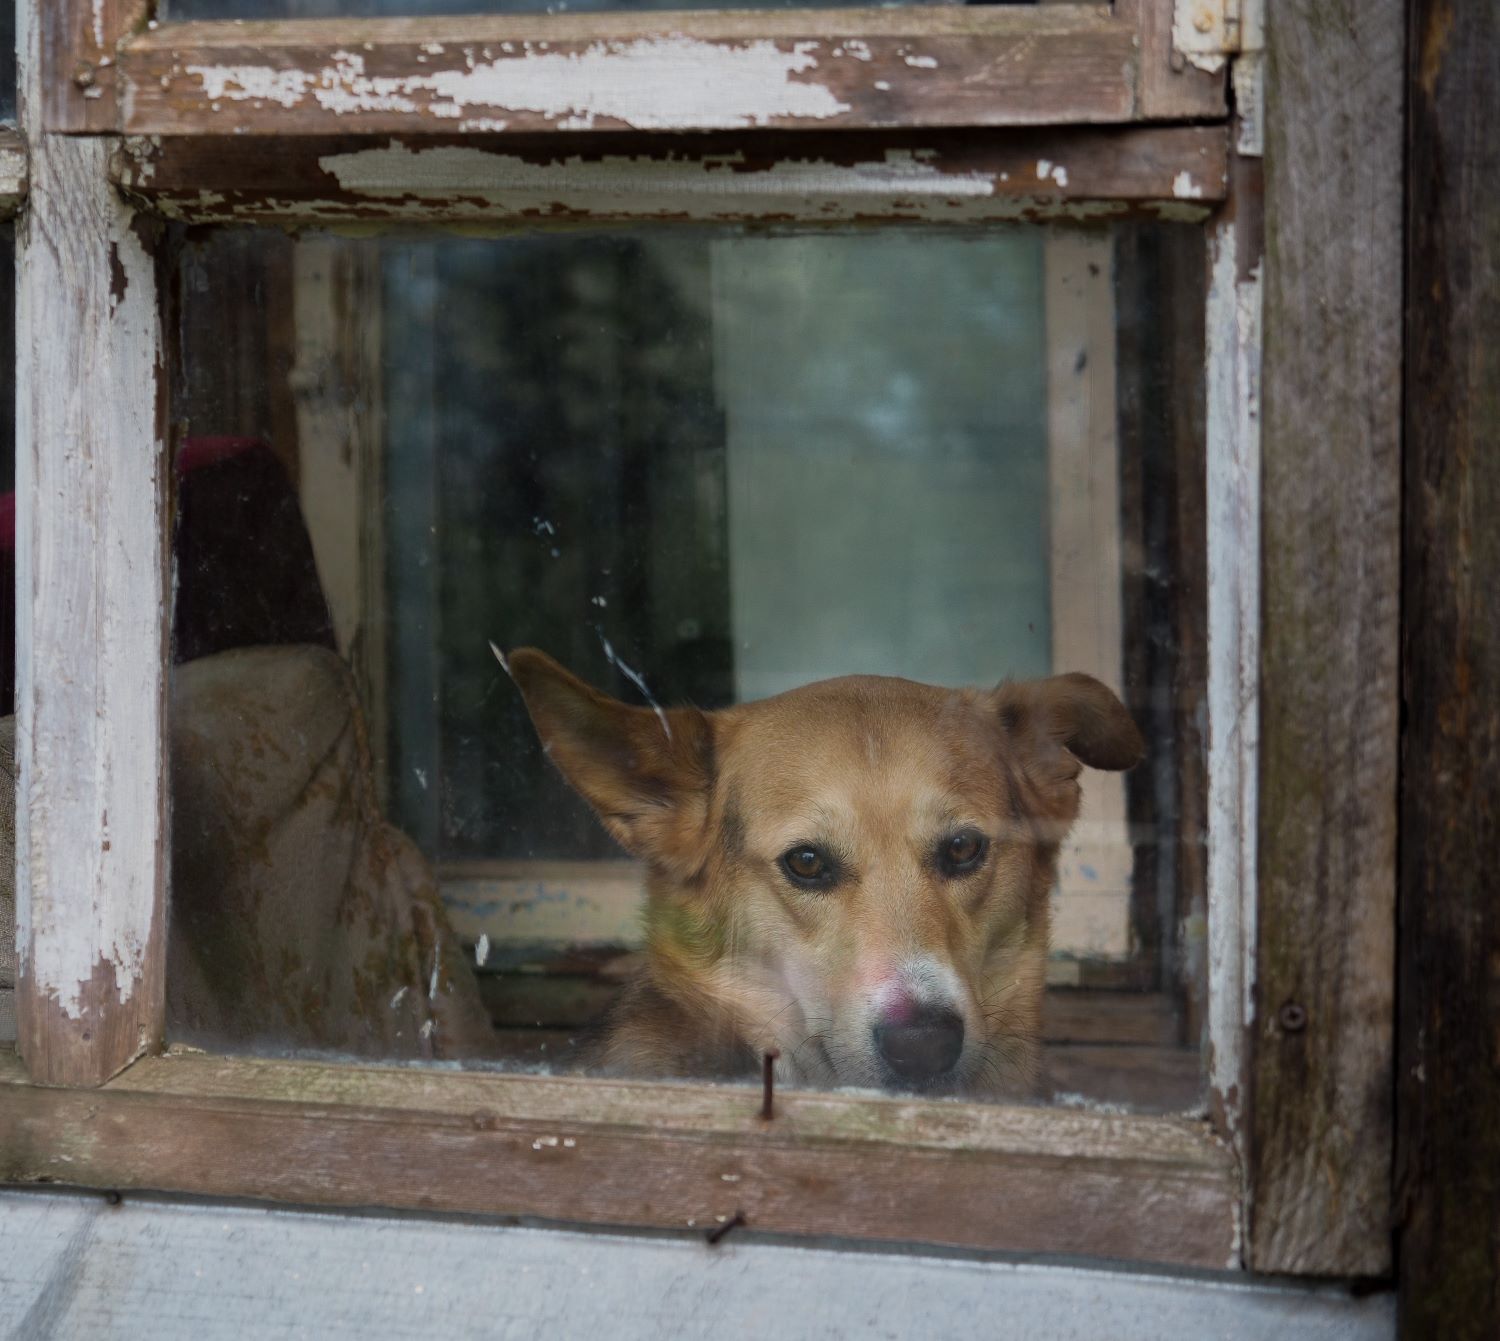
[925, 1045]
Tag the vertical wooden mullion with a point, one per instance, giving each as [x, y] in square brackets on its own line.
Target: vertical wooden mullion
[1091, 912]
[91, 610]
[1448, 1027]
[1322, 1065]
[1232, 507]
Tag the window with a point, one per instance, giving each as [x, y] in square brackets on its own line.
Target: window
[698, 465]
[620, 383]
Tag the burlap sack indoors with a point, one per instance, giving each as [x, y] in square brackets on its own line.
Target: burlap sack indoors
[298, 919]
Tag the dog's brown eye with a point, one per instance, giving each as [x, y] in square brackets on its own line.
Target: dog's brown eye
[963, 852]
[806, 865]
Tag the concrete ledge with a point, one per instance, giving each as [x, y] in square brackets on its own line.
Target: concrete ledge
[72, 1265]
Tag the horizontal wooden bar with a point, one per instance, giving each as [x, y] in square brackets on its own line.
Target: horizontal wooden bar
[694, 71]
[1080, 173]
[13, 173]
[955, 1174]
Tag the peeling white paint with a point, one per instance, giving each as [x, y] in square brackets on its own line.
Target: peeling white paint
[1199, 33]
[1232, 486]
[472, 182]
[648, 84]
[399, 171]
[252, 83]
[1185, 188]
[1248, 74]
[1046, 171]
[921, 62]
[90, 609]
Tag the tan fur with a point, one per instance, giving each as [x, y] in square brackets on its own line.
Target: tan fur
[738, 958]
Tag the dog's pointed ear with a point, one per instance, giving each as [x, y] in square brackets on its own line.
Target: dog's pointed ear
[646, 772]
[1070, 719]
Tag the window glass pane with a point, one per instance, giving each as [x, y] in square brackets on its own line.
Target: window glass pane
[7, 63]
[700, 468]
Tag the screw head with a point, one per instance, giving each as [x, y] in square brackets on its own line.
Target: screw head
[1292, 1018]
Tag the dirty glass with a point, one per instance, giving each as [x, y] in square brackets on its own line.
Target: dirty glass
[699, 468]
[7, 63]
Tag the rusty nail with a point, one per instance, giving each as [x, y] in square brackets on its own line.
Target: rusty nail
[768, 1083]
[83, 75]
[715, 1234]
[1292, 1017]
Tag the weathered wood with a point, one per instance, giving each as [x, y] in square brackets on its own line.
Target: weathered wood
[91, 614]
[937, 176]
[13, 172]
[1171, 87]
[1323, 1083]
[724, 70]
[1232, 504]
[1091, 902]
[964, 1175]
[1448, 1146]
[78, 43]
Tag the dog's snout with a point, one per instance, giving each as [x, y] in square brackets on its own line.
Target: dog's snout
[923, 1044]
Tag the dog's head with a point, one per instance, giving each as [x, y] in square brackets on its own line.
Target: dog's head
[855, 872]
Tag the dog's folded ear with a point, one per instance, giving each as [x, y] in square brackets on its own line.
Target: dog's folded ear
[646, 772]
[1076, 712]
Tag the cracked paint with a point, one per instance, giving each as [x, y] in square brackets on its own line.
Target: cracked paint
[647, 84]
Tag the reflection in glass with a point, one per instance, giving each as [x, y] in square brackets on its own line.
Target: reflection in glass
[7, 63]
[695, 466]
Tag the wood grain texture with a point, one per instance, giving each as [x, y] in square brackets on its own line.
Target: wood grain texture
[725, 70]
[1170, 88]
[1176, 172]
[1448, 1147]
[90, 615]
[963, 1175]
[1322, 1062]
[78, 43]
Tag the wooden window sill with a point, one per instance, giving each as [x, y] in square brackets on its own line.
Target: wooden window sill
[957, 1175]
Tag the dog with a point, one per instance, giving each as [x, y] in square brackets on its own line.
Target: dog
[855, 873]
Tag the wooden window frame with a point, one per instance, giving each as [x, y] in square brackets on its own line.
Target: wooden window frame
[801, 69]
[1290, 1170]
